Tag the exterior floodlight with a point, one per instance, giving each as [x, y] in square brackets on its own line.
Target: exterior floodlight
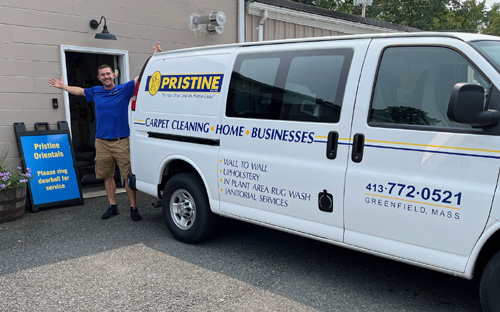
[105, 33]
[215, 18]
[215, 29]
[215, 22]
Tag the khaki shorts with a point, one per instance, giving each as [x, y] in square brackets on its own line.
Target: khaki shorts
[107, 152]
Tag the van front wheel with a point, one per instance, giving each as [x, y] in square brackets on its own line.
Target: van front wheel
[186, 209]
[489, 288]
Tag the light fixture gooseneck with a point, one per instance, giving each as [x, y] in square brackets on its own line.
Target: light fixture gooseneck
[105, 33]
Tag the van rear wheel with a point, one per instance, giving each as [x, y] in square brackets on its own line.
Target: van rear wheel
[186, 209]
[489, 288]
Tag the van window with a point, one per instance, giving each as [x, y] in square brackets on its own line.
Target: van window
[491, 50]
[414, 85]
[296, 85]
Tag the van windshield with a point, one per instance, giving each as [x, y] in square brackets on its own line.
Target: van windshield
[489, 49]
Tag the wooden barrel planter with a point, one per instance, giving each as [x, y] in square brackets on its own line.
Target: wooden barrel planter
[12, 204]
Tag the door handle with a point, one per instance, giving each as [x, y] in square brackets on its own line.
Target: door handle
[332, 145]
[358, 144]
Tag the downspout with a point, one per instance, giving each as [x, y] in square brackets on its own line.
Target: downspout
[241, 20]
[261, 26]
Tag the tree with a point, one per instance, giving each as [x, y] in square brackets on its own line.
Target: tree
[449, 15]
[492, 25]
[413, 13]
[465, 16]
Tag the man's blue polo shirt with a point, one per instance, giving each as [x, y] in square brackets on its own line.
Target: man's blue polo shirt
[111, 109]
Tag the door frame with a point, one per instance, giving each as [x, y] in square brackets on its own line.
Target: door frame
[123, 63]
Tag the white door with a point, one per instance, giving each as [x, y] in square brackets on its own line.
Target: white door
[284, 137]
[422, 186]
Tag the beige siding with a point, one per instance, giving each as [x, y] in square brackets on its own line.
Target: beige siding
[276, 30]
[32, 31]
[251, 23]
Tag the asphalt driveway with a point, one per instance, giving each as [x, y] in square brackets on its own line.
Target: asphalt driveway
[68, 259]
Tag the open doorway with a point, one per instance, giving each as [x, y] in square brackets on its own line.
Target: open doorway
[80, 69]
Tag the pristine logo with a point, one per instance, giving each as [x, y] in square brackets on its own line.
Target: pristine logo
[195, 83]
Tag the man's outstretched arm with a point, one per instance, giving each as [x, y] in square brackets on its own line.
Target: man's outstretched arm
[53, 82]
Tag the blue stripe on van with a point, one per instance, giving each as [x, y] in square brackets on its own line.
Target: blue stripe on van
[419, 150]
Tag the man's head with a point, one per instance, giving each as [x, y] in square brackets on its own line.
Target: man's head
[106, 76]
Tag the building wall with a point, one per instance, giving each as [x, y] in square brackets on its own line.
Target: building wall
[275, 29]
[32, 31]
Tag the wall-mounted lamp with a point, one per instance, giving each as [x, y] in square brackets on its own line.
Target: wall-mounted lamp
[105, 33]
[215, 22]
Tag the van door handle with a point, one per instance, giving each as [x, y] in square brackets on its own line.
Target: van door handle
[332, 144]
[358, 144]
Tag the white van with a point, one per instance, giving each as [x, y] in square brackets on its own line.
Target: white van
[387, 144]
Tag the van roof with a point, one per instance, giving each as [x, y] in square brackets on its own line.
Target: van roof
[461, 36]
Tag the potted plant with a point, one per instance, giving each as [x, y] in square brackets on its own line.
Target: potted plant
[13, 182]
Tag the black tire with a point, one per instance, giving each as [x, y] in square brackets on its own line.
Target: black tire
[186, 209]
[489, 288]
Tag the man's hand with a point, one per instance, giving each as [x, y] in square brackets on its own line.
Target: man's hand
[53, 82]
[157, 48]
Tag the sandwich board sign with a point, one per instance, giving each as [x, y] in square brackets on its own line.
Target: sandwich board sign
[49, 155]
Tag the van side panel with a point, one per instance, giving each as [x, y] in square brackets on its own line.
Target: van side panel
[287, 105]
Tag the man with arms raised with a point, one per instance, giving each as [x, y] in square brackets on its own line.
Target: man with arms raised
[112, 132]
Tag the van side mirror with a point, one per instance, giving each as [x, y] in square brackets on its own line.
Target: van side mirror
[466, 106]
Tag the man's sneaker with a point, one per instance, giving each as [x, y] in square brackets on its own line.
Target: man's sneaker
[134, 214]
[111, 212]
